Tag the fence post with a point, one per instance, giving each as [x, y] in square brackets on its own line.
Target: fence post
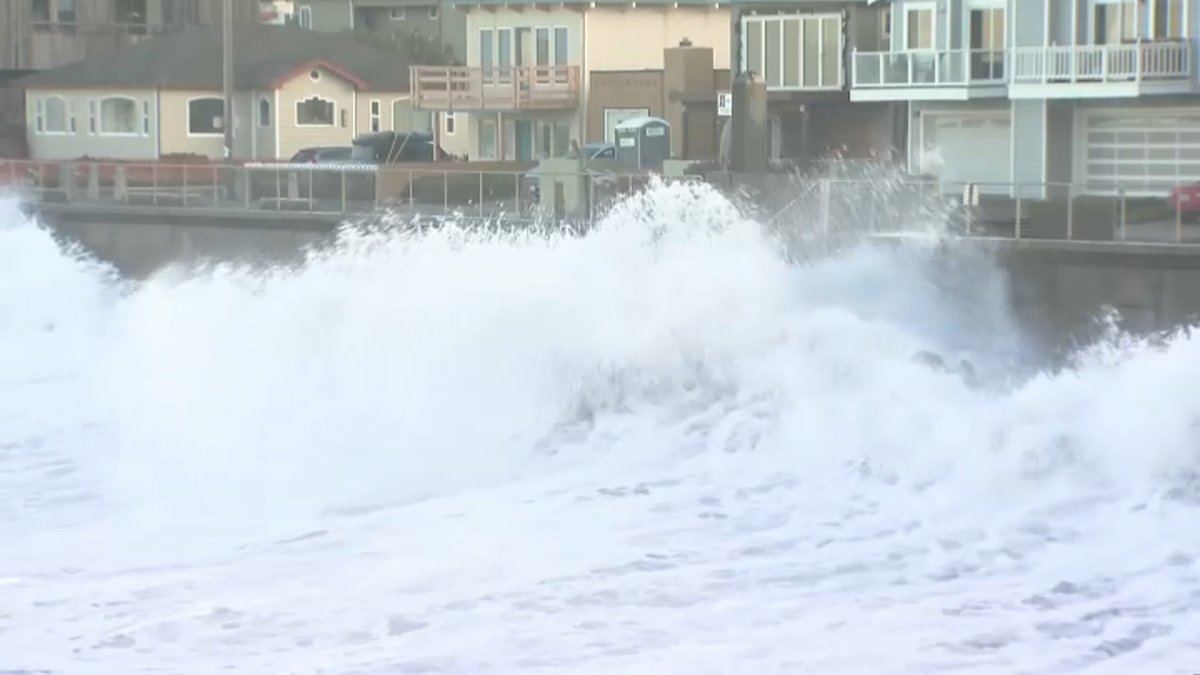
[246, 185]
[185, 183]
[481, 195]
[312, 194]
[1178, 218]
[825, 207]
[1070, 213]
[1124, 219]
[445, 191]
[1017, 222]
[343, 178]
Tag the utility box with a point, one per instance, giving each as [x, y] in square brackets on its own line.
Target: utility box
[643, 142]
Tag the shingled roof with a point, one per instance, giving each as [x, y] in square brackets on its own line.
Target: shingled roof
[264, 56]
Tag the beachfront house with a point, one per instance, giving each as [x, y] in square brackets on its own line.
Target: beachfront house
[163, 98]
[801, 49]
[526, 91]
[1099, 93]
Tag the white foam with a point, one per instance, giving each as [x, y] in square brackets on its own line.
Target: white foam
[658, 448]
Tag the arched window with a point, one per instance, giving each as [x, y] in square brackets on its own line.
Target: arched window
[315, 112]
[206, 116]
[54, 115]
[264, 113]
[118, 115]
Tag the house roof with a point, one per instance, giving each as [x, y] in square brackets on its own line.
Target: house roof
[264, 57]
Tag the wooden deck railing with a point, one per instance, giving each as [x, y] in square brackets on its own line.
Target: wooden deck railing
[496, 88]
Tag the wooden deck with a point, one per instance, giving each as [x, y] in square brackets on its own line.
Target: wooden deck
[501, 88]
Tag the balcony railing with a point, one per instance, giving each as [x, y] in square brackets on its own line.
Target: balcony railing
[1155, 61]
[496, 88]
[954, 68]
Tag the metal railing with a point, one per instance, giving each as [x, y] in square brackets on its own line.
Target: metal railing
[1165, 60]
[434, 190]
[495, 88]
[928, 68]
[858, 201]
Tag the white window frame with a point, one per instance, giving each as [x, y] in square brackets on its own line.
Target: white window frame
[100, 114]
[551, 44]
[43, 117]
[779, 19]
[433, 13]
[397, 14]
[333, 120]
[145, 117]
[610, 129]
[914, 8]
[449, 124]
[93, 117]
[304, 16]
[1152, 20]
[258, 113]
[376, 115]
[205, 134]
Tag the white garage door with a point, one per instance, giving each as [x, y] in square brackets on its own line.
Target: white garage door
[1142, 153]
[964, 149]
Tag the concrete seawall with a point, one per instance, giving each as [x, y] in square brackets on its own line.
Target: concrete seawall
[1057, 288]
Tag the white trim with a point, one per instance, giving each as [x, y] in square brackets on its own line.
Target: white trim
[909, 8]
[778, 20]
[392, 107]
[333, 123]
[304, 16]
[944, 93]
[42, 118]
[449, 124]
[254, 120]
[375, 115]
[137, 126]
[275, 118]
[188, 117]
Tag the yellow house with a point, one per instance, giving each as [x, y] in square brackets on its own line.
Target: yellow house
[293, 89]
[524, 91]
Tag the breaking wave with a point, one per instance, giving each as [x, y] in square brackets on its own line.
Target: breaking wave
[658, 447]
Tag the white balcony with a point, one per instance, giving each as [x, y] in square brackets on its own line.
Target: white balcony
[952, 75]
[1083, 71]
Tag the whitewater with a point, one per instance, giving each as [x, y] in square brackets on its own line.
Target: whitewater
[665, 446]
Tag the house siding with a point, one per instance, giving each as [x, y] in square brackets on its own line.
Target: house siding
[620, 39]
[1029, 145]
[1028, 22]
[329, 15]
[329, 86]
[84, 143]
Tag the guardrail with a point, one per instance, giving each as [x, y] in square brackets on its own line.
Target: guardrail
[860, 200]
[343, 189]
[1167, 60]
[929, 68]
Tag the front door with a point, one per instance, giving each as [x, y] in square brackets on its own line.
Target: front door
[524, 140]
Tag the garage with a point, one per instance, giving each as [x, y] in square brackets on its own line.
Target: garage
[968, 148]
[1141, 152]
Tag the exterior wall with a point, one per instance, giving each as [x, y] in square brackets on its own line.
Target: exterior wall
[329, 86]
[1027, 22]
[1029, 144]
[328, 15]
[264, 136]
[455, 136]
[634, 39]
[1060, 134]
[82, 142]
[174, 137]
[93, 33]
[622, 89]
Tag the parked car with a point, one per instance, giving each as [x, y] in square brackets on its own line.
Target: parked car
[387, 147]
[320, 155]
[1185, 199]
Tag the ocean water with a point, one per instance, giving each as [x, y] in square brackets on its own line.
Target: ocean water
[659, 448]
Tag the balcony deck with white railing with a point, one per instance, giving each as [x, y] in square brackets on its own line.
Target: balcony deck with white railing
[498, 88]
[889, 75]
[1161, 66]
